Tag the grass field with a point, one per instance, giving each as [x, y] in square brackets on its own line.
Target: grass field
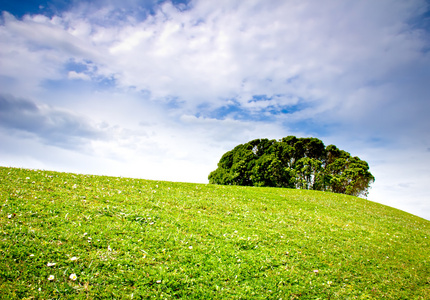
[69, 236]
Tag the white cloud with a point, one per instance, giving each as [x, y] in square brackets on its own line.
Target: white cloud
[402, 179]
[216, 52]
[76, 75]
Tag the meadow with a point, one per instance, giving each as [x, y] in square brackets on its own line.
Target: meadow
[70, 236]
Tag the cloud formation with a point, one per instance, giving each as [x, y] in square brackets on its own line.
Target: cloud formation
[52, 126]
[169, 85]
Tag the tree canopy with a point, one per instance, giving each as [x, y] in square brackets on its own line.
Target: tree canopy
[292, 162]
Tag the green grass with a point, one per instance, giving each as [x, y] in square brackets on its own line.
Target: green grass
[138, 239]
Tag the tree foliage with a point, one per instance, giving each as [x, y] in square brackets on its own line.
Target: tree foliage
[292, 162]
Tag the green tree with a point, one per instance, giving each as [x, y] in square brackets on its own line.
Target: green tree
[309, 174]
[293, 163]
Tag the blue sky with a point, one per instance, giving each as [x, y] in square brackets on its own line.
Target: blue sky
[161, 89]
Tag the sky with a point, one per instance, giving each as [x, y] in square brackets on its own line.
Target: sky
[161, 89]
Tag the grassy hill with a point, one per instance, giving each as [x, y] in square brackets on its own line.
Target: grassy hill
[69, 236]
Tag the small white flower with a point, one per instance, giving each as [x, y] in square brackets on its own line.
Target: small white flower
[158, 281]
[73, 277]
[50, 264]
[109, 248]
[73, 258]
[190, 247]
[31, 255]
[51, 277]
[9, 216]
[316, 271]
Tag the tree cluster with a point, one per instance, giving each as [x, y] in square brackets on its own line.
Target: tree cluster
[292, 162]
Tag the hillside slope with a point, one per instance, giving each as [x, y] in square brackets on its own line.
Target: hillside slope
[74, 236]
